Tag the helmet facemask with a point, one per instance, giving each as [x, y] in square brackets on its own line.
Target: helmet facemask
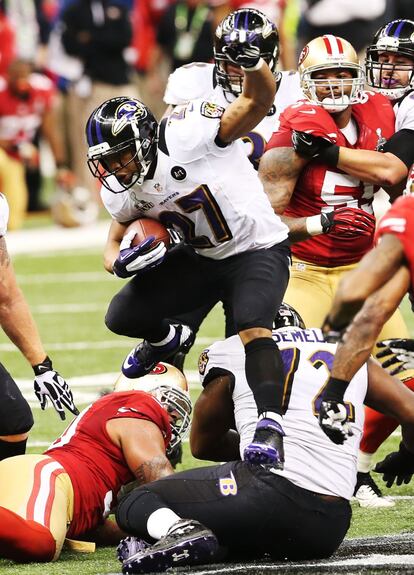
[392, 41]
[178, 406]
[122, 136]
[349, 88]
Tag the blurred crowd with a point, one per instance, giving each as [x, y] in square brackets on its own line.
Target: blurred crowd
[59, 59]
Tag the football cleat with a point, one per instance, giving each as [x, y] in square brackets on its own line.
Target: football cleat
[130, 546]
[187, 542]
[143, 358]
[267, 445]
[368, 494]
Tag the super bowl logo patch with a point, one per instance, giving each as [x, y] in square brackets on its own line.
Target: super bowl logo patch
[228, 485]
[210, 110]
[130, 111]
[203, 361]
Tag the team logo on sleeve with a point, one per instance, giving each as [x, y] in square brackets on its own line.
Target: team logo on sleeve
[203, 361]
[210, 110]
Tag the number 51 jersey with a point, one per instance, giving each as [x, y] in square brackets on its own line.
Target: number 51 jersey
[312, 460]
[209, 192]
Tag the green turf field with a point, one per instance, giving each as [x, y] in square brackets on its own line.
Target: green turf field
[69, 293]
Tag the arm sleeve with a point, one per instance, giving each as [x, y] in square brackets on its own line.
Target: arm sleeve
[401, 144]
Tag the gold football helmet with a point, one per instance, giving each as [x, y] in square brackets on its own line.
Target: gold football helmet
[331, 53]
[169, 386]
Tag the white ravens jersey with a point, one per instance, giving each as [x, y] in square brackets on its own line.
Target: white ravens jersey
[211, 193]
[197, 80]
[312, 460]
[404, 113]
[4, 215]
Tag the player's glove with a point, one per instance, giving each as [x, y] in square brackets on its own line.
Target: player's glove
[176, 240]
[333, 420]
[348, 222]
[331, 333]
[240, 49]
[49, 385]
[310, 146]
[397, 466]
[400, 350]
[137, 259]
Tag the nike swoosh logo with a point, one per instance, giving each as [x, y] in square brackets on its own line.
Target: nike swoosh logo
[308, 111]
[127, 363]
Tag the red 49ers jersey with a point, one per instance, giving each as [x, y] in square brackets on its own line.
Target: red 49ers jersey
[20, 119]
[321, 188]
[97, 467]
[399, 221]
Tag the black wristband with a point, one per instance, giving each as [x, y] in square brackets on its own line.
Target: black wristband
[335, 390]
[330, 155]
[45, 365]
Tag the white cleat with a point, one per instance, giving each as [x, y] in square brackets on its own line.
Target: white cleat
[368, 494]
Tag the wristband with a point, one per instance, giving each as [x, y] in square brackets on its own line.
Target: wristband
[314, 225]
[254, 68]
[335, 390]
[330, 155]
[45, 365]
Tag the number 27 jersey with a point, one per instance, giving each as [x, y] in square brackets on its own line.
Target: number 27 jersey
[211, 193]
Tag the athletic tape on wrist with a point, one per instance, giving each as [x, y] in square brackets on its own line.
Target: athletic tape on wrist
[314, 225]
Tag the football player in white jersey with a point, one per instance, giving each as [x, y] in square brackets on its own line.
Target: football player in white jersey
[300, 512]
[222, 83]
[193, 175]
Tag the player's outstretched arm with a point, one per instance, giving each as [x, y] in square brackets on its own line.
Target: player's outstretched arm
[259, 89]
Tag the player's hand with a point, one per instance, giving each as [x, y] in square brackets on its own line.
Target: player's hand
[308, 145]
[400, 350]
[397, 466]
[50, 386]
[240, 49]
[177, 240]
[348, 222]
[333, 420]
[330, 333]
[137, 259]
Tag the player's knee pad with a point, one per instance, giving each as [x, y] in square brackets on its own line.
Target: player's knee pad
[15, 414]
[134, 509]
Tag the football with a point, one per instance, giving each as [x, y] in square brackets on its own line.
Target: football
[145, 227]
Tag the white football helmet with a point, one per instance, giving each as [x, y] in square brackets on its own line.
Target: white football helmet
[169, 386]
[331, 53]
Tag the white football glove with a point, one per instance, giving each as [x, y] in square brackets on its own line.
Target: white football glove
[333, 420]
[49, 385]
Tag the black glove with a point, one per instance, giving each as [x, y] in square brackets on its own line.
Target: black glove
[397, 466]
[333, 420]
[49, 385]
[241, 50]
[348, 222]
[310, 146]
[332, 334]
[400, 350]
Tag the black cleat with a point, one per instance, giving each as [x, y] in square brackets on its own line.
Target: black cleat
[143, 358]
[186, 543]
[267, 445]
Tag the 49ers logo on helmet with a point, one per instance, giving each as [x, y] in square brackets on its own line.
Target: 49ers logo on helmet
[303, 54]
[159, 369]
[127, 112]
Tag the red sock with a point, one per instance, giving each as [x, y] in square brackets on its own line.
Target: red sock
[378, 427]
[24, 540]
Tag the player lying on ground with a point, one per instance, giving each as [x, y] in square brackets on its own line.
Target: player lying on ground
[300, 512]
[69, 491]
